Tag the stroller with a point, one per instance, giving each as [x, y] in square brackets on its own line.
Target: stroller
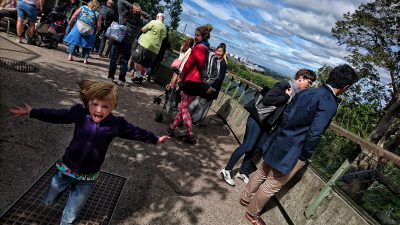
[50, 29]
[171, 101]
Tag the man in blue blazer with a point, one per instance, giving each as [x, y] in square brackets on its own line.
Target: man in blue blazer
[294, 141]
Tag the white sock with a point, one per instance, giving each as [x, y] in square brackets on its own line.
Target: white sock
[138, 74]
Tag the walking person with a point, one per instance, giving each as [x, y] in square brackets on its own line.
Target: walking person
[148, 46]
[83, 34]
[131, 16]
[295, 139]
[27, 9]
[191, 73]
[277, 98]
[198, 109]
[108, 16]
[95, 127]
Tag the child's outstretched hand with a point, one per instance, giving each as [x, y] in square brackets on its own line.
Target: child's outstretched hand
[163, 138]
[20, 110]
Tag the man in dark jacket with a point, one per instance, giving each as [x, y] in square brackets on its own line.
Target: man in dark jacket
[130, 15]
[294, 141]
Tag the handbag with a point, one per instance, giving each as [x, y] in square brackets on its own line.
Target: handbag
[84, 28]
[258, 110]
[176, 64]
[116, 31]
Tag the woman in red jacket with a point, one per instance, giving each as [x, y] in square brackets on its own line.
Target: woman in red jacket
[191, 72]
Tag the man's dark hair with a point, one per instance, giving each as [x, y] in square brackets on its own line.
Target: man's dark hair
[306, 74]
[341, 76]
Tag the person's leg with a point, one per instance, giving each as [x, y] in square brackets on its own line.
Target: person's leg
[193, 110]
[256, 180]
[103, 40]
[272, 184]
[185, 102]
[255, 154]
[20, 28]
[249, 140]
[32, 15]
[113, 62]
[70, 50]
[125, 55]
[85, 54]
[80, 191]
[58, 185]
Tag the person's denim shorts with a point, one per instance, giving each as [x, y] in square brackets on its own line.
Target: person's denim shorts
[26, 10]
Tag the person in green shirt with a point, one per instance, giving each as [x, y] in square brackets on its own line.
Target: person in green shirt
[149, 45]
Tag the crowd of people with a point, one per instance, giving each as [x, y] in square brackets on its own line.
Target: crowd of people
[295, 115]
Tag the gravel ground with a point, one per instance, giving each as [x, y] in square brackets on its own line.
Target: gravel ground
[174, 183]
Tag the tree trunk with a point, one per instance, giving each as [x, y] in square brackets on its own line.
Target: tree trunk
[377, 136]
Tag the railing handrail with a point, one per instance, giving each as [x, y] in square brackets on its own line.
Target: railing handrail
[367, 145]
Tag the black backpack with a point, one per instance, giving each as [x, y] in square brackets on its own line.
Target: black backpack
[210, 70]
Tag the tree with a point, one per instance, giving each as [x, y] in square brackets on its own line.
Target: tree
[372, 35]
[152, 7]
[175, 10]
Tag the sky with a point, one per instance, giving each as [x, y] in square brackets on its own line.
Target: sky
[284, 36]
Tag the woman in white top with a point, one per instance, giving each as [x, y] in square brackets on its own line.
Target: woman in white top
[183, 56]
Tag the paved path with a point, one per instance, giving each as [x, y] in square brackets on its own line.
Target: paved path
[171, 184]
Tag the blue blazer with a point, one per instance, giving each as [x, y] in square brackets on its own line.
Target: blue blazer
[304, 121]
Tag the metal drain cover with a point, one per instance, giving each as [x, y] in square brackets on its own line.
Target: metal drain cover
[16, 65]
[98, 210]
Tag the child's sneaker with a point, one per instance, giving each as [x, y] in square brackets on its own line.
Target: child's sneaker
[226, 175]
[170, 132]
[243, 176]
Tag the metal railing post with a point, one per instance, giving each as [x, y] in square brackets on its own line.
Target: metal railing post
[325, 191]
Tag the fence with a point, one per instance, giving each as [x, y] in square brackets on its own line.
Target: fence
[372, 189]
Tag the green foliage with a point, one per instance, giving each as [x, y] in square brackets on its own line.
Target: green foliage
[175, 10]
[176, 39]
[360, 119]
[255, 77]
[152, 7]
[331, 152]
[372, 36]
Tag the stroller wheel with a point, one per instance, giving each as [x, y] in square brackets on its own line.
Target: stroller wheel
[38, 40]
[158, 117]
[157, 100]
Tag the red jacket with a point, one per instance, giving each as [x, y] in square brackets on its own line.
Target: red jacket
[195, 62]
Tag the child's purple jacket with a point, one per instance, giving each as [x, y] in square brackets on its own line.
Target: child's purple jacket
[86, 151]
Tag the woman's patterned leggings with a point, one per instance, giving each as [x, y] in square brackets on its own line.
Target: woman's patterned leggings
[183, 113]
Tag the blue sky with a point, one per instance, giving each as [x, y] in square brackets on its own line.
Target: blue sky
[282, 35]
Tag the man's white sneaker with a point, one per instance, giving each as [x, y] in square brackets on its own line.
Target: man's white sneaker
[243, 176]
[226, 175]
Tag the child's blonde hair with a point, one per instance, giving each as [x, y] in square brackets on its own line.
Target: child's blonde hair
[98, 89]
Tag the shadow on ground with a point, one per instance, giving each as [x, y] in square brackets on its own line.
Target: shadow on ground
[165, 183]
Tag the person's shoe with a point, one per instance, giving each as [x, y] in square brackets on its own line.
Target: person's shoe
[243, 202]
[70, 58]
[18, 40]
[121, 83]
[243, 176]
[170, 132]
[255, 220]
[31, 41]
[137, 80]
[85, 62]
[226, 175]
[191, 139]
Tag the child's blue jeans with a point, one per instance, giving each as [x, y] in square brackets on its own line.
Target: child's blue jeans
[80, 190]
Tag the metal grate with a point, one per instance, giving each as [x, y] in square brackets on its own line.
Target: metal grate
[98, 210]
[16, 65]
